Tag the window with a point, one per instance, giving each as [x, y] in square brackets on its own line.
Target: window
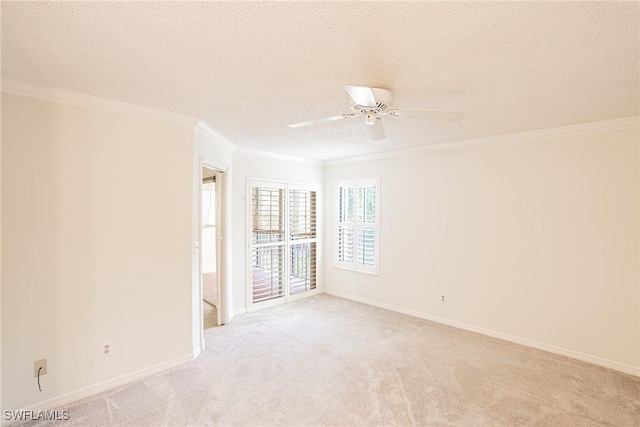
[357, 229]
[283, 241]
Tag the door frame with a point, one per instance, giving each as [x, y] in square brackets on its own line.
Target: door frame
[221, 221]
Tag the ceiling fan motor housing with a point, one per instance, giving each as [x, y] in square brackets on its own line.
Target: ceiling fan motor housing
[383, 102]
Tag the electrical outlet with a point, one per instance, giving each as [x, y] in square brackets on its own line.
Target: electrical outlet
[442, 297]
[106, 349]
[42, 363]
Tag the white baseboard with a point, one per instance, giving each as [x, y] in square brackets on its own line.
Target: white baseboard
[73, 396]
[611, 364]
[197, 350]
[237, 311]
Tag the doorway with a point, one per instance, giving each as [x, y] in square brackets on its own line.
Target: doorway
[209, 246]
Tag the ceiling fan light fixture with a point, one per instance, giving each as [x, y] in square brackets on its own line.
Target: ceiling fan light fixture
[371, 119]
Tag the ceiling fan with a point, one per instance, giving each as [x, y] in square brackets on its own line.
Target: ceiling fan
[372, 103]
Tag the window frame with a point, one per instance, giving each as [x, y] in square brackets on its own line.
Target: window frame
[353, 265]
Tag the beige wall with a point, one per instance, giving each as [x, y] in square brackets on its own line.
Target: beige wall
[96, 237]
[538, 240]
[1, 406]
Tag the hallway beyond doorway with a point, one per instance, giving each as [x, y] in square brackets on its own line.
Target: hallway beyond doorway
[210, 315]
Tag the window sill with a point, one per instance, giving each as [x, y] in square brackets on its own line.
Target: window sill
[355, 270]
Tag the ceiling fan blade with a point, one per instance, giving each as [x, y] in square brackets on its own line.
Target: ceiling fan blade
[361, 95]
[326, 119]
[452, 116]
[375, 131]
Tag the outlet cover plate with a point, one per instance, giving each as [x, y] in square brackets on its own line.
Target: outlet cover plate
[42, 363]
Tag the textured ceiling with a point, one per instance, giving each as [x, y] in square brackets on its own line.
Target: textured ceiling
[250, 68]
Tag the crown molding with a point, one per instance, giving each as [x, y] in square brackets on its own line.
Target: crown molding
[215, 135]
[276, 156]
[583, 128]
[45, 93]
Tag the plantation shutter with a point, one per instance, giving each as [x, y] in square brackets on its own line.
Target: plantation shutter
[366, 224]
[357, 225]
[267, 243]
[346, 225]
[302, 232]
[284, 241]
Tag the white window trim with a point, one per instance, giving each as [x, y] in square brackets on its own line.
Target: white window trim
[354, 266]
[285, 185]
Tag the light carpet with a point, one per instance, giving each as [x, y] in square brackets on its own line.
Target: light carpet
[329, 361]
